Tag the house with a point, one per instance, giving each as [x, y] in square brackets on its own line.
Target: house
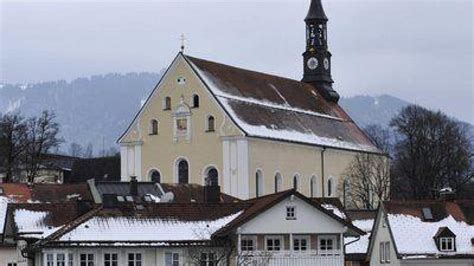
[26, 212]
[52, 168]
[251, 133]
[285, 227]
[431, 232]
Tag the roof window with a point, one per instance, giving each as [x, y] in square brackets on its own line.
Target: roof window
[427, 215]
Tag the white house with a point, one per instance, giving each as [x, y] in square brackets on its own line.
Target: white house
[285, 227]
[423, 233]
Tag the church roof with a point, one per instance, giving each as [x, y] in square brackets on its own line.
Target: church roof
[316, 11]
[272, 107]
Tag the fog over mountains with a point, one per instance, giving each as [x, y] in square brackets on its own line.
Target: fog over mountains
[96, 110]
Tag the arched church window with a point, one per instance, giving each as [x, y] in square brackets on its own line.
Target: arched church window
[210, 123]
[167, 103]
[258, 183]
[278, 182]
[183, 172]
[153, 127]
[155, 176]
[329, 187]
[212, 177]
[312, 184]
[296, 182]
[195, 101]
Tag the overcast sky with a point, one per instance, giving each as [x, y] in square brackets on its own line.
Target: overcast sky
[418, 50]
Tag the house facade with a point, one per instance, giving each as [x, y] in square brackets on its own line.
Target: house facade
[423, 233]
[251, 133]
[273, 229]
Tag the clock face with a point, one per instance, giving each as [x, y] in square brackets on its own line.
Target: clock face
[326, 63]
[312, 63]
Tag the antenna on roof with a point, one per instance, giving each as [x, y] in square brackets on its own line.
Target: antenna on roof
[183, 39]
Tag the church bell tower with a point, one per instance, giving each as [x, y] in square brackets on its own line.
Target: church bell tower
[317, 58]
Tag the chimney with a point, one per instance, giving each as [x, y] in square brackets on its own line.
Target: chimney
[212, 193]
[133, 186]
[447, 194]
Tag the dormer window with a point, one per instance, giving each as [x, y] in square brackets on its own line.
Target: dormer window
[290, 212]
[446, 244]
[445, 240]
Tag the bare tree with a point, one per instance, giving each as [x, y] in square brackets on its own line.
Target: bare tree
[382, 137]
[41, 136]
[12, 143]
[89, 152]
[75, 149]
[433, 152]
[368, 181]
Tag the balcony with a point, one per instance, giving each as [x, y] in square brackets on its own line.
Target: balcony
[287, 258]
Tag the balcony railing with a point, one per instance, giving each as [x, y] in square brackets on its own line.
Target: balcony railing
[287, 258]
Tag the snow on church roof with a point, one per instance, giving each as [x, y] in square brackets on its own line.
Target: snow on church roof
[277, 108]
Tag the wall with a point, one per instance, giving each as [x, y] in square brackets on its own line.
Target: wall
[382, 235]
[309, 220]
[161, 151]
[8, 254]
[290, 159]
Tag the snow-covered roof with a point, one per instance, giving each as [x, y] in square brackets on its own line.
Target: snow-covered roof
[361, 245]
[277, 108]
[413, 236]
[32, 223]
[135, 229]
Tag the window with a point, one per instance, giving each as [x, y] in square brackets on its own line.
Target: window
[11, 264]
[49, 259]
[212, 177]
[296, 182]
[70, 259]
[329, 187]
[171, 259]
[134, 259]
[208, 259]
[210, 124]
[300, 243]
[312, 186]
[278, 182]
[290, 213]
[258, 183]
[387, 252]
[327, 244]
[181, 125]
[110, 259]
[153, 127]
[274, 243]
[195, 101]
[86, 259]
[384, 251]
[248, 243]
[181, 80]
[155, 176]
[60, 259]
[183, 172]
[446, 243]
[167, 103]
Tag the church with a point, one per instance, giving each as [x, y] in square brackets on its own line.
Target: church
[248, 132]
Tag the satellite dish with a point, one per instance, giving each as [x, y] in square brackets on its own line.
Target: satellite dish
[167, 197]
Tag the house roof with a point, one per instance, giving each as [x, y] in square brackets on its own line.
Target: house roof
[57, 161]
[356, 248]
[31, 220]
[102, 168]
[167, 223]
[413, 234]
[272, 107]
